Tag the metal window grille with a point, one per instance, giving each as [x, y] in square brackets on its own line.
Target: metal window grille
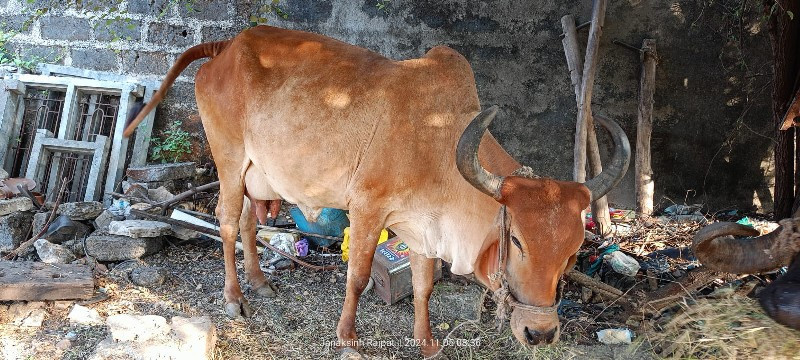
[74, 168]
[43, 108]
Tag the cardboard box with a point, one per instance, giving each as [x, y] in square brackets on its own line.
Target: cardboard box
[391, 271]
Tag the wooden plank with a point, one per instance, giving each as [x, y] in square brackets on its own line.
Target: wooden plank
[644, 170]
[35, 281]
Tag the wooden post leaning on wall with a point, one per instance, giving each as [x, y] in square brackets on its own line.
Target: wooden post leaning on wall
[585, 137]
[647, 87]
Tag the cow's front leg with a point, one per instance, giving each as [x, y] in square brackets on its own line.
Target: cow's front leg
[252, 269]
[364, 233]
[229, 210]
[422, 269]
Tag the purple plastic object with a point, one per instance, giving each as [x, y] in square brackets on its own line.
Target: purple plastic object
[301, 247]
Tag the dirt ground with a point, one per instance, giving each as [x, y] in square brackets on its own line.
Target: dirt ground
[300, 322]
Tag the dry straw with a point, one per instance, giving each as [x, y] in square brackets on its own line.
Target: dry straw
[729, 328]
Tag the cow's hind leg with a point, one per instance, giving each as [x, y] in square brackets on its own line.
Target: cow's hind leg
[422, 269]
[229, 211]
[365, 228]
[247, 227]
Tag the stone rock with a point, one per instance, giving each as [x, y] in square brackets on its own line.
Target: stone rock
[137, 193]
[30, 314]
[82, 315]
[142, 207]
[39, 219]
[52, 253]
[8, 206]
[104, 219]
[3, 174]
[160, 194]
[76, 246]
[63, 229]
[139, 228]
[161, 172]
[196, 336]
[106, 247]
[124, 269]
[64, 344]
[148, 276]
[184, 234]
[137, 328]
[62, 305]
[14, 229]
[186, 338]
[84, 210]
[127, 185]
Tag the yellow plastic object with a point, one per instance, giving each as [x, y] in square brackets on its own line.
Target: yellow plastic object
[346, 242]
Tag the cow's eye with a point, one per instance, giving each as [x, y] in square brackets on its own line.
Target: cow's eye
[516, 242]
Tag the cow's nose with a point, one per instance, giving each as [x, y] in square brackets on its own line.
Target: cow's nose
[537, 337]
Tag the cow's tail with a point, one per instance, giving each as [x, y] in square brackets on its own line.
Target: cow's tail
[140, 110]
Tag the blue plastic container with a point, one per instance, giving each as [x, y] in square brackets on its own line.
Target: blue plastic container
[331, 222]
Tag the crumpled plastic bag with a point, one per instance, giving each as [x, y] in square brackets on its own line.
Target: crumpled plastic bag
[284, 242]
[120, 207]
[614, 336]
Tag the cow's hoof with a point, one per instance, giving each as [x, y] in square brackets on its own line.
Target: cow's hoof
[237, 310]
[349, 353]
[266, 290]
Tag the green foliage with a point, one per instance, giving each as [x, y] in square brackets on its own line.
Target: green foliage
[174, 145]
[264, 11]
[383, 5]
[9, 58]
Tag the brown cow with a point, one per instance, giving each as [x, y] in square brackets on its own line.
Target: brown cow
[318, 122]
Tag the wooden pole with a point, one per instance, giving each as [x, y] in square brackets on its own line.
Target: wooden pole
[784, 33]
[585, 137]
[647, 87]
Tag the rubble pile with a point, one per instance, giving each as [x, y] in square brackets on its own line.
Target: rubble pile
[98, 237]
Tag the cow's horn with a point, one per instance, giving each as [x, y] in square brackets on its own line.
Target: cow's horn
[467, 155]
[613, 173]
[716, 249]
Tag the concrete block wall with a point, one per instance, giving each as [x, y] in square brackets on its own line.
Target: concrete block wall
[711, 139]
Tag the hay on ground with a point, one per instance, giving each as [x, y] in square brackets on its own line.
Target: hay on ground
[731, 328]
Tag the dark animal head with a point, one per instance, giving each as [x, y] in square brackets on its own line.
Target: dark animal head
[715, 246]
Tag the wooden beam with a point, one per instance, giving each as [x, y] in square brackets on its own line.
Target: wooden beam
[585, 136]
[36, 281]
[647, 87]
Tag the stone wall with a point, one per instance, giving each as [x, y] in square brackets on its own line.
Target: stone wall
[712, 134]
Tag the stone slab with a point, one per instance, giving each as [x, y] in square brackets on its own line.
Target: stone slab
[139, 228]
[162, 172]
[106, 247]
[137, 328]
[82, 210]
[14, 229]
[8, 206]
[187, 338]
